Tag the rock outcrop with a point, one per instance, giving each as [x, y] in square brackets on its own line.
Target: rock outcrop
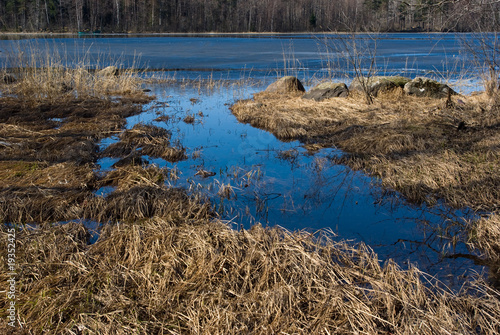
[425, 87]
[288, 84]
[377, 84]
[327, 90]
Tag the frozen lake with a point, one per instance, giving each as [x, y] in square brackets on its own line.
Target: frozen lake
[261, 56]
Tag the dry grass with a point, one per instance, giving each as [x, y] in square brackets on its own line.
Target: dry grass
[485, 236]
[146, 140]
[34, 204]
[49, 147]
[47, 163]
[129, 176]
[47, 156]
[142, 202]
[46, 78]
[64, 175]
[183, 274]
[163, 262]
[59, 132]
[140, 192]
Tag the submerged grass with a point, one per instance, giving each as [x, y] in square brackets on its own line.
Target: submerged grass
[146, 140]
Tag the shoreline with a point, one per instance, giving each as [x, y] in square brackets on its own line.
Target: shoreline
[426, 149]
[82, 34]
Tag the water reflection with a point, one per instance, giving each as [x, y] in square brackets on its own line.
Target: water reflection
[252, 177]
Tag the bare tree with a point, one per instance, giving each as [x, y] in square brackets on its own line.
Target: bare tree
[483, 48]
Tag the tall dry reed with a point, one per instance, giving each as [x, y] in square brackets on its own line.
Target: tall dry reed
[50, 77]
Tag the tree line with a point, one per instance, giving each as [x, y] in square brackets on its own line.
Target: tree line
[248, 15]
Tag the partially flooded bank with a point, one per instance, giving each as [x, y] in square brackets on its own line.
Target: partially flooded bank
[427, 149]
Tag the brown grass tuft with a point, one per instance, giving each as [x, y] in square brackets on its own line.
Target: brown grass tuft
[146, 140]
[168, 275]
[189, 119]
[142, 202]
[485, 236]
[132, 175]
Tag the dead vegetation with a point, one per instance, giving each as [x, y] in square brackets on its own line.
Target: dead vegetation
[146, 140]
[485, 235]
[189, 119]
[47, 78]
[48, 171]
[48, 155]
[61, 132]
[191, 274]
[139, 192]
[49, 146]
[163, 262]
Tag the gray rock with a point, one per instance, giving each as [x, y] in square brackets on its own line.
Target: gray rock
[327, 90]
[286, 84]
[425, 87]
[377, 84]
[109, 71]
[9, 78]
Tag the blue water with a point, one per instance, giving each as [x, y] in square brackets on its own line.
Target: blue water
[306, 191]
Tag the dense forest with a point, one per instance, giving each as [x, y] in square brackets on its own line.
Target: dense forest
[248, 15]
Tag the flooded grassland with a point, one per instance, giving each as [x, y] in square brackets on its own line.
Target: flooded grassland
[124, 222]
[427, 149]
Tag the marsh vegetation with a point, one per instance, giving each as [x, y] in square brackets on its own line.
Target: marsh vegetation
[185, 273]
[166, 260]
